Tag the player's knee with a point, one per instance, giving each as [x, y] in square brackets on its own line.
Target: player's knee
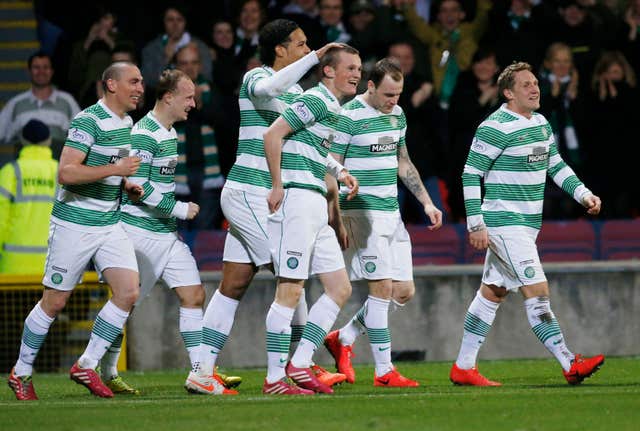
[197, 298]
[128, 295]
[52, 305]
[343, 292]
[233, 291]
[404, 294]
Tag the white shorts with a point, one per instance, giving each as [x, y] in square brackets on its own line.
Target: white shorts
[70, 251]
[512, 261]
[169, 260]
[301, 241]
[246, 240]
[379, 249]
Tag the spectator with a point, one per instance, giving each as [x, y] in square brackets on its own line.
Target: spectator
[158, 53]
[613, 113]
[451, 41]
[306, 14]
[27, 190]
[198, 177]
[474, 98]
[517, 32]
[91, 56]
[584, 34]
[43, 101]
[364, 35]
[560, 105]
[226, 80]
[331, 13]
[250, 20]
[630, 40]
[424, 147]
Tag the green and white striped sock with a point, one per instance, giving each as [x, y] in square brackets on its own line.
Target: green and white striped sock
[216, 326]
[36, 328]
[356, 327]
[191, 332]
[322, 316]
[377, 323]
[278, 324]
[544, 324]
[106, 329]
[477, 324]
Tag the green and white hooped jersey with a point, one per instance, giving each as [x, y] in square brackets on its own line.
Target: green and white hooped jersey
[250, 171]
[105, 138]
[313, 117]
[157, 148]
[369, 141]
[514, 155]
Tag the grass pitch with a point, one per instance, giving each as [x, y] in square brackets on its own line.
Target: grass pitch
[534, 397]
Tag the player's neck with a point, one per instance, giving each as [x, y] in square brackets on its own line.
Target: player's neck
[162, 115]
[526, 113]
[115, 107]
[329, 83]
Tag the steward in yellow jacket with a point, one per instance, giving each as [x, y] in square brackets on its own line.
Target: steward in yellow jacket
[27, 192]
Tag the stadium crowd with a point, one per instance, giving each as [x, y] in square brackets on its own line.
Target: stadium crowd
[451, 52]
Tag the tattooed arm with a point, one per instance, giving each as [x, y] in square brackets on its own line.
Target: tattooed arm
[409, 175]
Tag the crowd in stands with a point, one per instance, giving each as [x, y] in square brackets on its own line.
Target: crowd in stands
[586, 54]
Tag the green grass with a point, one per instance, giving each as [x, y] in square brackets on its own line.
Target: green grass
[534, 397]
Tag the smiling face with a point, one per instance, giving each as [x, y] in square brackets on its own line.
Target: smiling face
[126, 88]
[485, 69]
[347, 74]
[331, 11]
[223, 35]
[182, 99]
[524, 97]
[450, 14]
[560, 63]
[250, 17]
[41, 72]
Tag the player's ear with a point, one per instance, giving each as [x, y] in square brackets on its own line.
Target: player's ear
[329, 71]
[508, 94]
[281, 51]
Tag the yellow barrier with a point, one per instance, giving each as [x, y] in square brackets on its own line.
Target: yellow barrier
[69, 334]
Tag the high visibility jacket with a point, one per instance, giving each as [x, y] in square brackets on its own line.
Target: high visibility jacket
[27, 191]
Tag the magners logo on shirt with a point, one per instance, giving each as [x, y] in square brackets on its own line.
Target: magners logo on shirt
[327, 141]
[122, 153]
[170, 169]
[539, 154]
[385, 144]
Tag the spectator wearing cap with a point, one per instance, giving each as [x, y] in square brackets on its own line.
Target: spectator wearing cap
[42, 101]
[27, 191]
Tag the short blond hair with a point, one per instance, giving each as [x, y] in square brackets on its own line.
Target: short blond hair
[507, 78]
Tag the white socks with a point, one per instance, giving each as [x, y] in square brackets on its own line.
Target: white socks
[376, 320]
[36, 327]
[216, 326]
[544, 324]
[477, 323]
[106, 329]
[191, 332]
[278, 325]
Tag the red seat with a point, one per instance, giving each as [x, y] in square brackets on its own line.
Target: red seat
[620, 239]
[440, 247]
[208, 249]
[567, 241]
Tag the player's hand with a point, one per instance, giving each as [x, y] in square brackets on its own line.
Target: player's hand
[274, 199]
[193, 210]
[592, 203]
[479, 239]
[127, 166]
[322, 51]
[435, 216]
[134, 191]
[351, 182]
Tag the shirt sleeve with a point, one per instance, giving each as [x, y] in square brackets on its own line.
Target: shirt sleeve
[82, 133]
[488, 143]
[146, 148]
[564, 176]
[282, 80]
[305, 110]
